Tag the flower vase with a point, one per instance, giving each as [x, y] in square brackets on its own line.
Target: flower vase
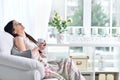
[59, 38]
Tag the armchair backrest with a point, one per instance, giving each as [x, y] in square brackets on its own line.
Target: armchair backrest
[6, 43]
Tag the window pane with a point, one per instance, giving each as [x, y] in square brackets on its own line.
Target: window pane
[58, 51]
[116, 32]
[116, 13]
[105, 57]
[102, 32]
[75, 11]
[103, 48]
[100, 13]
[76, 31]
[76, 50]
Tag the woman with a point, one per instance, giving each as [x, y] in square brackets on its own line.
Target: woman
[27, 46]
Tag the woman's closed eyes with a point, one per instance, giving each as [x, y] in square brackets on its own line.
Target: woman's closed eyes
[17, 23]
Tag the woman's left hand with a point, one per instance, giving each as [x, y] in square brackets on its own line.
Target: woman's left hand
[42, 45]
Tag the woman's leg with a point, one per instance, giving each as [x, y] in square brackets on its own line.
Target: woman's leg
[66, 68]
[52, 74]
[69, 70]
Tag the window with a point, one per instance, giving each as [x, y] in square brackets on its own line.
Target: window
[100, 18]
[75, 11]
[92, 20]
[103, 17]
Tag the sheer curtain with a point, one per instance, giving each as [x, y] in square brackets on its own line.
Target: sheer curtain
[33, 14]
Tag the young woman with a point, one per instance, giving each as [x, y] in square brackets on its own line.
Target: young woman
[26, 46]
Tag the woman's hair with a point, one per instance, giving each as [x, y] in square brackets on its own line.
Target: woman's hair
[31, 38]
[9, 28]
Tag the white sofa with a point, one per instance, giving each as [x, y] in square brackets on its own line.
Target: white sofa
[15, 67]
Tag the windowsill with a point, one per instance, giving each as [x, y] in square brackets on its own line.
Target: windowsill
[94, 44]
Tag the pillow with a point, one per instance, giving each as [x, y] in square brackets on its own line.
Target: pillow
[6, 43]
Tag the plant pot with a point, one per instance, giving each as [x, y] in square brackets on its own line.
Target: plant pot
[59, 38]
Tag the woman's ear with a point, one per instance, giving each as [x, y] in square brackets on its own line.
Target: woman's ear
[14, 32]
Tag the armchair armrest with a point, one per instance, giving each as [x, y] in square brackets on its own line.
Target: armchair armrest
[22, 63]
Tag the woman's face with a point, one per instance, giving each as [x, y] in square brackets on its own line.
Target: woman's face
[17, 27]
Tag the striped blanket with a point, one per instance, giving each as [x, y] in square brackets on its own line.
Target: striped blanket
[63, 69]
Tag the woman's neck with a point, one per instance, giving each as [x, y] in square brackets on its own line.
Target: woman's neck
[22, 34]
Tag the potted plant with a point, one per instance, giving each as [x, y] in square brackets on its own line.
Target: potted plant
[59, 24]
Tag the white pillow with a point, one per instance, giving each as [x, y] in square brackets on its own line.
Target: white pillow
[6, 43]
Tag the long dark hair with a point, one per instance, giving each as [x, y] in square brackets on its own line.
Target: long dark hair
[31, 38]
[9, 28]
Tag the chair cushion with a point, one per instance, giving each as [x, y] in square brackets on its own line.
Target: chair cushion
[6, 43]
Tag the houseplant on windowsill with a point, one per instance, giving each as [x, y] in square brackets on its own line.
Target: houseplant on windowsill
[60, 25]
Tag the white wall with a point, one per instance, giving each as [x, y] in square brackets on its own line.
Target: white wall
[42, 10]
[59, 6]
[33, 14]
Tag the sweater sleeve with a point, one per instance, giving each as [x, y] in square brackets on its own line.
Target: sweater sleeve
[27, 53]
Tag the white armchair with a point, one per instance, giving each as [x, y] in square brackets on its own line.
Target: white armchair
[15, 67]
[18, 68]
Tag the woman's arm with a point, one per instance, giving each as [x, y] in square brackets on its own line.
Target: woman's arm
[27, 53]
[19, 43]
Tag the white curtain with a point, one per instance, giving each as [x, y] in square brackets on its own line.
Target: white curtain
[33, 14]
